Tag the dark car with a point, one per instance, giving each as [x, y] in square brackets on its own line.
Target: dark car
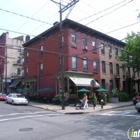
[2, 96]
[137, 106]
[136, 98]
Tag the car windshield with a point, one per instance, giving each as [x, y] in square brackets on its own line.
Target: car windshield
[18, 96]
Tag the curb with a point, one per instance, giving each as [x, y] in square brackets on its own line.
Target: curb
[115, 107]
[72, 113]
[81, 112]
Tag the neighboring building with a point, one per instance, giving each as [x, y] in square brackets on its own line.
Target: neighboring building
[82, 59]
[11, 62]
[111, 73]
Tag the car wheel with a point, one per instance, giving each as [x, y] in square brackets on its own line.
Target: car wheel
[12, 102]
[134, 103]
[138, 111]
[6, 101]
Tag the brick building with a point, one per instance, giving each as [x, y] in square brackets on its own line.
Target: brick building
[84, 52]
[11, 60]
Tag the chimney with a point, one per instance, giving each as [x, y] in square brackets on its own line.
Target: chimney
[27, 38]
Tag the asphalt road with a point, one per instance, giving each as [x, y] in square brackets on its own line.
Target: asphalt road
[29, 123]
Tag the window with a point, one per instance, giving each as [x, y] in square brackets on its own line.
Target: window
[27, 56]
[19, 60]
[41, 50]
[84, 43]
[26, 74]
[103, 67]
[102, 49]
[18, 71]
[111, 67]
[85, 63]
[117, 68]
[74, 62]
[116, 51]
[94, 46]
[73, 39]
[103, 83]
[95, 68]
[110, 51]
[110, 85]
[123, 70]
[22, 72]
[40, 68]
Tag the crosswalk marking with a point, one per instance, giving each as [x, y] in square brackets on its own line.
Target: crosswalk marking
[25, 113]
[121, 113]
[16, 116]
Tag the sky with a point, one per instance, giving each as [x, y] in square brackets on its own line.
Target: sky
[115, 18]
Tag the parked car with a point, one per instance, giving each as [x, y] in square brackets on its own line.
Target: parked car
[137, 106]
[2, 97]
[16, 98]
[136, 99]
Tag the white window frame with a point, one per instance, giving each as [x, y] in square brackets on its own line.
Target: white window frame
[85, 43]
[85, 64]
[41, 68]
[95, 66]
[94, 46]
[73, 40]
[74, 62]
[41, 50]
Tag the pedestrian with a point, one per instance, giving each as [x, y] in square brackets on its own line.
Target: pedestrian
[85, 99]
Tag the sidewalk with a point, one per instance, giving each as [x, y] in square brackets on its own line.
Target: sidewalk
[71, 109]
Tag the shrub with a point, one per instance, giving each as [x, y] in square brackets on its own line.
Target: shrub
[123, 96]
[104, 97]
[57, 96]
[94, 99]
[115, 92]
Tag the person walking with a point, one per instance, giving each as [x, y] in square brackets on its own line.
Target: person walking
[85, 99]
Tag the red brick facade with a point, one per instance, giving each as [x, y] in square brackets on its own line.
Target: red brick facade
[51, 55]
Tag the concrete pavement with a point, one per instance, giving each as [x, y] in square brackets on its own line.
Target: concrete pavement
[72, 110]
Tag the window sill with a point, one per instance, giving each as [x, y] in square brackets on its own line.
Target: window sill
[74, 69]
[94, 52]
[95, 72]
[84, 49]
[104, 73]
[74, 47]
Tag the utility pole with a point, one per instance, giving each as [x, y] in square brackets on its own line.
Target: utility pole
[5, 69]
[73, 2]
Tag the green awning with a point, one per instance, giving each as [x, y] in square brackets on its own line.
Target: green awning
[44, 89]
[15, 83]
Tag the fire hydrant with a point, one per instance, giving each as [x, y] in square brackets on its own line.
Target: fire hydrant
[102, 103]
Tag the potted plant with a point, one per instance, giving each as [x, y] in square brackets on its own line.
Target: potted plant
[115, 96]
[104, 96]
[94, 99]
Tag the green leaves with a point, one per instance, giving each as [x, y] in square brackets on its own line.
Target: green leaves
[130, 55]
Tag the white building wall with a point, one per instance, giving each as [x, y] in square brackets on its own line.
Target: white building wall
[13, 52]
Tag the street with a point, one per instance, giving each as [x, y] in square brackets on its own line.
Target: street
[26, 122]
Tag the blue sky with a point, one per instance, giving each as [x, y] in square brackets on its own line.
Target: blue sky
[91, 13]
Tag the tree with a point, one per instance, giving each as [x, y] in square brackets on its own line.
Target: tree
[130, 55]
[94, 99]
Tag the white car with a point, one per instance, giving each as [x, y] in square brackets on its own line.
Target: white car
[15, 98]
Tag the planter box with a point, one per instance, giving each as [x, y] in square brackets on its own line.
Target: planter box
[114, 100]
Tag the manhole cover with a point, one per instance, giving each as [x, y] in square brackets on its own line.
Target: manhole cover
[25, 129]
